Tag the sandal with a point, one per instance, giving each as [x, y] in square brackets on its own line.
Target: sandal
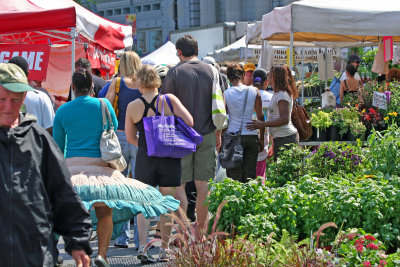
[157, 235]
[145, 256]
[100, 262]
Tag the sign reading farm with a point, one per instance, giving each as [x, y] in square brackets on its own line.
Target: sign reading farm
[37, 56]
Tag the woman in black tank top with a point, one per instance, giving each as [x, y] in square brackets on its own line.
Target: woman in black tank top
[156, 171]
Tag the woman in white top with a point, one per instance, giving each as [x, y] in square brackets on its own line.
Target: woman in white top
[235, 102]
[280, 108]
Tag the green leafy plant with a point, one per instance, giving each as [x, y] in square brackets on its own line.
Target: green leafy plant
[321, 120]
[344, 118]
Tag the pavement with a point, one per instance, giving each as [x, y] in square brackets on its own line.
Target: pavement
[117, 257]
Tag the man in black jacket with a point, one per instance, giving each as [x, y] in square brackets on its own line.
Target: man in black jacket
[36, 196]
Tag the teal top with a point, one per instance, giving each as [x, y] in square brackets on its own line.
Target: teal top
[78, 126]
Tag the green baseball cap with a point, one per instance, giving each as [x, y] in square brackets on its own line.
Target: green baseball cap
[13, 78]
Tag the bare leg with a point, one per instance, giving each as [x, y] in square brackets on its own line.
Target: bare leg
[180, 194]
[165, 229]
[201, 209]
[104, 228]
[143, 228]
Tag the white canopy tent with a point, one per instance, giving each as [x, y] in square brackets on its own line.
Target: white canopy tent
[337, 22]
[333, 21]
[164, 55]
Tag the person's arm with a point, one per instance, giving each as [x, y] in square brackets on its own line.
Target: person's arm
[168, 85]
[218, 138]
[283, 119]
[260, 116]
[59, 131]
[112, 114]
[341, 94]
[130, 127]
[111, 91]
[47, 113]
[104, 90]
[180, 110]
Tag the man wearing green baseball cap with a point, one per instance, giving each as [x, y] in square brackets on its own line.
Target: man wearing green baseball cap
[36, 195]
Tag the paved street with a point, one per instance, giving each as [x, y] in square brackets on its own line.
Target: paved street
[117, 257]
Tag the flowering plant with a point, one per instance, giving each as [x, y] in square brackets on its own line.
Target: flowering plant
[371, 117]
[344, 118]
[357, 128]
[362, 249]
[330, 158]
[321, 119]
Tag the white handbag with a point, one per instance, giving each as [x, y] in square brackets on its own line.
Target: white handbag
[109, 144]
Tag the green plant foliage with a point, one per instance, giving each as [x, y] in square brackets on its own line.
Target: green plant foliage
[321, 119]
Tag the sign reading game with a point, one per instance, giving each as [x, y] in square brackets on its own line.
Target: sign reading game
[37, 56]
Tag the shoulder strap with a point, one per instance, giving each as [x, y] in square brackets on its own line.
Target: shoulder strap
[115, 103]
[148, 105]
[105, 114]
[345, 84]
[244, 108]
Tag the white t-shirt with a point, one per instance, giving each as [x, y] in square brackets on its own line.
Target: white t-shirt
[344, 76]
[273, 114]
[234, 98]
[265, 100]
[39, 104]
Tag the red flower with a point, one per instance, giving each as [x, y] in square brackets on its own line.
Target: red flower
[360, 241]
[359, 247]
[372, 246]
[350, 237]
[367, 264]
[382, 263]
[369, 237]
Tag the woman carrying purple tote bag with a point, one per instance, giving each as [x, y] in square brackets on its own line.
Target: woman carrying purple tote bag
[164, 172]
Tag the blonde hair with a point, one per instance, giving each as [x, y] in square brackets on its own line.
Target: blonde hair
[148, 77]
[129, 63]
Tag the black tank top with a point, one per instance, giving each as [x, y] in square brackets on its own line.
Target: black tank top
[139, 125]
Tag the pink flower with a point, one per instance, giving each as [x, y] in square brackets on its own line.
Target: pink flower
[372, 246]
[382, 263]
[367, 264]
[350, 237]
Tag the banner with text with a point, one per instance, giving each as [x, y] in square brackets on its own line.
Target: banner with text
[37, 56]
[101, 58]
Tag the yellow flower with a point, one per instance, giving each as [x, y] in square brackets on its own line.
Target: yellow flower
[386, 118]
[394, 114]
[369, 176]
[363, 111]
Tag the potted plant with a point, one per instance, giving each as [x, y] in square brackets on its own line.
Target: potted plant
[321, 121]
[357, 129]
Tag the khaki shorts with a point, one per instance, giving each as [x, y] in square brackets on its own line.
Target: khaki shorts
[202, 164]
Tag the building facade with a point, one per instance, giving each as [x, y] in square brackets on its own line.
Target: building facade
[155, 19]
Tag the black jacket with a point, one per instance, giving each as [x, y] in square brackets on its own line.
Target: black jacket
[37, 199]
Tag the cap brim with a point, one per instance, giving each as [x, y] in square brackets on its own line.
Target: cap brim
[17, 87]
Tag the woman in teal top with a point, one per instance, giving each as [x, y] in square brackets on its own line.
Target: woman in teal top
[77, 129]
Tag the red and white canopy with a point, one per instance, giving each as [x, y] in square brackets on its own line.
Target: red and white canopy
[43, 21]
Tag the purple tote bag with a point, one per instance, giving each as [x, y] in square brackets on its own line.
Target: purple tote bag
[169, 136]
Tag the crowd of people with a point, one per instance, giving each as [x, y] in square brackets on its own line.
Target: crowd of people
[55, 182]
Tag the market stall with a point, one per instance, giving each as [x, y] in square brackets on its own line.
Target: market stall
[62, 22]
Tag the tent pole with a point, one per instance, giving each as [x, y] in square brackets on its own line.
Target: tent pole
[291, 51]
[245, 53]
[262, 55]
[73, 33]
[302, 76]
[326, 68]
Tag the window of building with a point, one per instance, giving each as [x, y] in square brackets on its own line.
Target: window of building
[146, 8]
[275, 3]
[101, 13]
[117, 11]
[138, 9]
[127, 10]
[109, 12]
[156, 6]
